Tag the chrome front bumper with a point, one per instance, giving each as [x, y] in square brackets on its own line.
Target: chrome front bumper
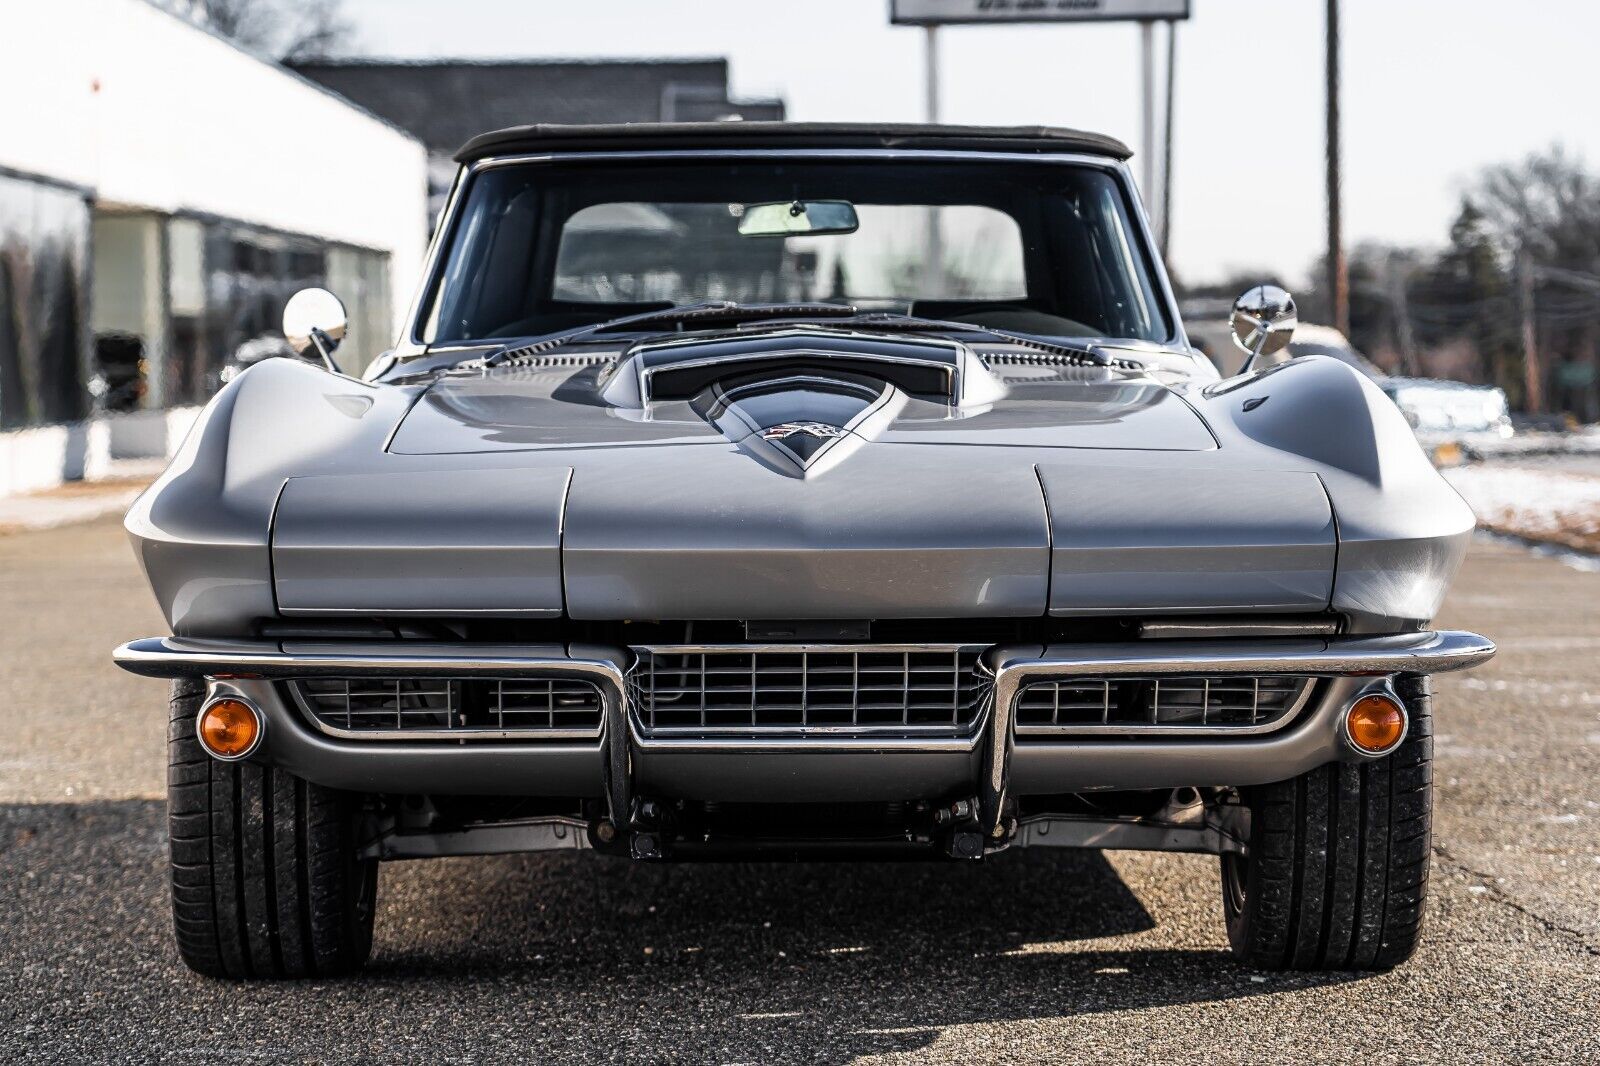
[622, 762]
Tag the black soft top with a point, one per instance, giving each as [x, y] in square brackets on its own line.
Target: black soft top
[635, 136]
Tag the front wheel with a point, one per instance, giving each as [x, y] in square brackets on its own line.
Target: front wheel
[1337, 870]
[266, 881]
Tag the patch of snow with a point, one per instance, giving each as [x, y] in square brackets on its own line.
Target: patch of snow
[1529, 502]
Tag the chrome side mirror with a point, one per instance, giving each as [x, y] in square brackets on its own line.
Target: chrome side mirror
[1263, 321]
[315, 318]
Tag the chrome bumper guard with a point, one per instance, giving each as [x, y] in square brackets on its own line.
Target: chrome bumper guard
[1012, 666]
[1015, 666]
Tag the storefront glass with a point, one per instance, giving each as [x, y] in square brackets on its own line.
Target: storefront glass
[44, 240]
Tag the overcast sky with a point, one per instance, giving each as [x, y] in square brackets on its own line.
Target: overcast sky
[1434, 89]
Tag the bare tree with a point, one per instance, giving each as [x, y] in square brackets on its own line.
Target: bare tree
[288, 30]
[1547, 206]
[1544, 217]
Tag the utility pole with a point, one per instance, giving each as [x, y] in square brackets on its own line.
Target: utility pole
[1338, 279]
[1533, 398]
[1166, 153]
[933, 259]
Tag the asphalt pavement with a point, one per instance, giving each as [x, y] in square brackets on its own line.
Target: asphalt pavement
[1033, 956]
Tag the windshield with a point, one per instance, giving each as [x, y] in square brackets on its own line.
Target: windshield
[1038, 248]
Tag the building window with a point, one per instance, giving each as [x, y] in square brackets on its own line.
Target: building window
[44, 237]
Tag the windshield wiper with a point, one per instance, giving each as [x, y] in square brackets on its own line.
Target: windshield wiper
[708, 311]
[894, 320]
[845, 314]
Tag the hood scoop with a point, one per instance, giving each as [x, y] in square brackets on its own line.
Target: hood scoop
[800, 423]
[664, 371]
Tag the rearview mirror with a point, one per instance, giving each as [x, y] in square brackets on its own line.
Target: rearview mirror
[798, 218]
[315, 319]
[1263, 321]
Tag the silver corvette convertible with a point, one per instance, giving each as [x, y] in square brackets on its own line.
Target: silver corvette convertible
[796, 491]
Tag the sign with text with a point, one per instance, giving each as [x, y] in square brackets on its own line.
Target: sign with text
[936, 12]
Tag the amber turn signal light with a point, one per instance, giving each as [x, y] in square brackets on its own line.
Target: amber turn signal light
[1375, 724]
[229, 728]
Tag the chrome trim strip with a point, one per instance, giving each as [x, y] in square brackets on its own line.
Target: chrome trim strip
[818, 649]
[1201, 628]
[808, 743]
[432, 266]
[1014, 666]
[180, 657]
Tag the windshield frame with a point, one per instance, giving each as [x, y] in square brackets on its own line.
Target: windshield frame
[446, 229]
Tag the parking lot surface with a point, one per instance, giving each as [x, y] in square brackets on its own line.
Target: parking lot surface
[1033, 956]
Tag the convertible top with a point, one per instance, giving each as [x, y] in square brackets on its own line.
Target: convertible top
[546, 137]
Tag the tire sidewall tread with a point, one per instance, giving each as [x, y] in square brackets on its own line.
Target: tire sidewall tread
[264, 873]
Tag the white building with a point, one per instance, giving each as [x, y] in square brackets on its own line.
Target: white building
[162, 192]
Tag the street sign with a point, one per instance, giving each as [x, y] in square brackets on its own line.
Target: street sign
[944, 12]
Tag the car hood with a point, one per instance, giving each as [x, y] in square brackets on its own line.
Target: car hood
[1004, 401]
[836, 486]
[288, 499]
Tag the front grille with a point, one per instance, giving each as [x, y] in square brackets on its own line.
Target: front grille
[1086, 706]
[422, 708]
[922, 690]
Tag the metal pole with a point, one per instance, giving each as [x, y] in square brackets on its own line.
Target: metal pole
[1400, 301]
[1147, 79]
[1338, 280]
[1166, 153]
[933, 259]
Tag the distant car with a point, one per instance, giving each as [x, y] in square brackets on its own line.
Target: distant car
[1209, 330]
[1312, 339]
[118, 382]
[1435, 408]
[698, 515]
[253, 351]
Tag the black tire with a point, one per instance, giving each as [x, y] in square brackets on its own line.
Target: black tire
[1337, 872]
[265, 878]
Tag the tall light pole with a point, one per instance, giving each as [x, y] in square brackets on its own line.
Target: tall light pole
[1338, 278]
[1166, 148]
[933, 259]
[1147, 97]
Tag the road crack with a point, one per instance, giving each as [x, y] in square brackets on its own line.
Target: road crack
[1497, 894]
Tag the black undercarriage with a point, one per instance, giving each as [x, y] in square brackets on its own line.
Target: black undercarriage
[701, 831]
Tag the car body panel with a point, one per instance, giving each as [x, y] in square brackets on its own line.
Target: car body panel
[1250, 540]
[431, 542]
[876, 537]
